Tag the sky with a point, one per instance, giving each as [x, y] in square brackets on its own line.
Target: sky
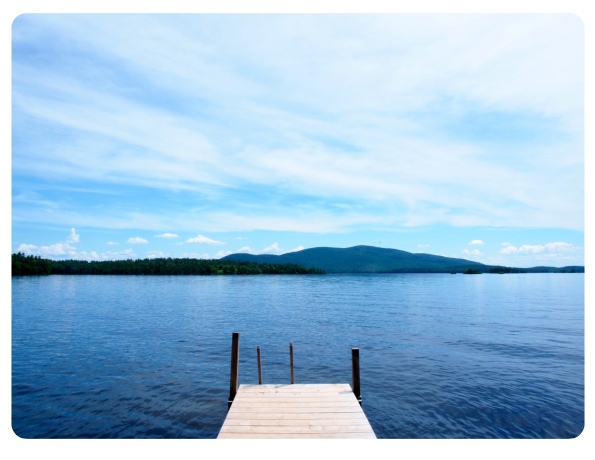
[201, 135]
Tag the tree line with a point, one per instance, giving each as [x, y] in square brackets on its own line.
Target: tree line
[23, 265]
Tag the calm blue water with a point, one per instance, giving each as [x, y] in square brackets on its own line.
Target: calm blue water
[442, 356]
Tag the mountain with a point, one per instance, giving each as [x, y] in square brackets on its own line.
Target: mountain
[364, 259]
[370, 259]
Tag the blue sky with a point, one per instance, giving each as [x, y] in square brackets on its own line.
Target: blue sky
[138, 136]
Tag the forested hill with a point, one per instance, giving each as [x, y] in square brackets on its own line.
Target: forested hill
[370, 259]
[32, 265]
[364, 259]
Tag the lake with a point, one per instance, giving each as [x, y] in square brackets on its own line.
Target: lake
[441, 356]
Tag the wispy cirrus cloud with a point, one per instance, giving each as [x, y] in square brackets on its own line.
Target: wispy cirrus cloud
[324, 138]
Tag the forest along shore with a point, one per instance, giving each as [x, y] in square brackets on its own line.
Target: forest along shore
[23, 265]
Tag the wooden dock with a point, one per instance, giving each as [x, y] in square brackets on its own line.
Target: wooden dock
[294, 410]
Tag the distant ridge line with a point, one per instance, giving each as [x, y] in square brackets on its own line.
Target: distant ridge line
[372, 259]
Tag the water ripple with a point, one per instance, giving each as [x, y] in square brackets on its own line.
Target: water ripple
[441, 356]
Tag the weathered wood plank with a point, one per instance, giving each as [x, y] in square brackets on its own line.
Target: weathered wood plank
[303, 403]
[272, 402]
[296, 394]
[295, 429]
[298, 422]
[298, 397]
[317, 394]
[296, 387]
[295, 410]
[300, 415]
[295, 436]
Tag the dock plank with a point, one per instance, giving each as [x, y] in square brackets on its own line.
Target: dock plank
[296, 411]
[296, 436]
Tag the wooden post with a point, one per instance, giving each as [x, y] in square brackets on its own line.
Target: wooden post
[355, 374]
[291, 361]
[235, 367]
[259, 366]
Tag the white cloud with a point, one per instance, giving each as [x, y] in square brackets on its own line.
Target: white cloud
[509, 250]
[528, 249]
[84, 255]
[272, 249]
[298, 248]
[27, 249]
[221, 254]
[110, 255]
[155, 255]
[531, 249]
[473, 252]
[476, 243]
[167, 235]
[200, 239]
[66, 251]
[73, 238]
[137, 240]
[58, 249]
[112, 243]
[530, 255]
[558, 246]
[195, 255]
